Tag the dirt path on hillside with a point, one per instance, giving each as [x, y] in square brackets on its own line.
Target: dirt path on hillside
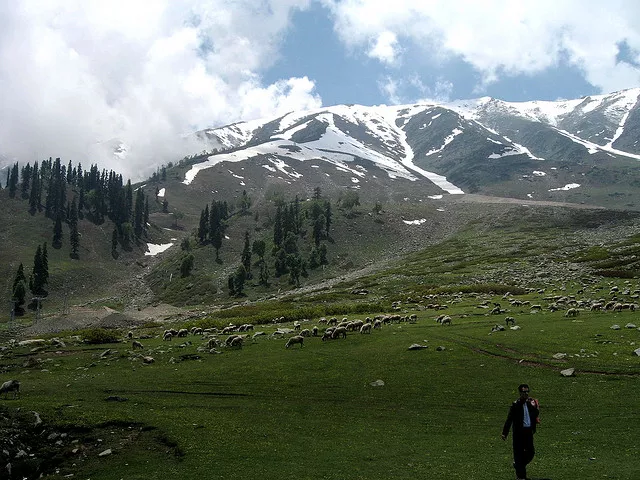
[473, 198]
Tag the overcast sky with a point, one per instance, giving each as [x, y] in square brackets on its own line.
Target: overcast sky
[78, 75]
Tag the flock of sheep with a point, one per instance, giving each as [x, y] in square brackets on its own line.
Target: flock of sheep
[328, 329]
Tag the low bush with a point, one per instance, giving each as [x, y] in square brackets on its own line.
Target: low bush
[97, 336]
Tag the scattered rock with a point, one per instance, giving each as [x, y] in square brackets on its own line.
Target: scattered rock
[559, 356]
[630, 325]
[377, 383]
[637, 352]
[440, 348]
[417, 346]
[615, 327]
[105, 453]
[569, 372]
[515, 327]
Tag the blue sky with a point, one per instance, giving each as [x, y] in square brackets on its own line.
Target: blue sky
[79, 76]
[311, 48]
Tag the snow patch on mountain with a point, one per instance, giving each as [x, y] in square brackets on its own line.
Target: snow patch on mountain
[569, 186]
[447, 140]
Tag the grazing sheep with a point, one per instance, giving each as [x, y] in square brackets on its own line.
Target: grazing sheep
[366, 328]
[237, 341]
[498, 328]
[509, 320]
[327, 333]
[314, 331]
[339, 332]
[332, 321]
[212, 343]
[296, 325]
[536, 307]
[377, 323]
[136, 344]
[495, 310]
[130, 335]
[572, 312]
[183, 332]
[293, 340]
[167, 335]
[596, 307]
[305, 333]
[10, 386]
[446, 320]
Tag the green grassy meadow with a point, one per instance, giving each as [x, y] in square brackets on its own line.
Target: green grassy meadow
[268, 412]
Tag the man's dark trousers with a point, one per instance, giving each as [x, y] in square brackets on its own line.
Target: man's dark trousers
[523, 450]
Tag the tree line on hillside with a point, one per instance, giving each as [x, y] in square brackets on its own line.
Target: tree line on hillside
[292, 223]
[68, 194]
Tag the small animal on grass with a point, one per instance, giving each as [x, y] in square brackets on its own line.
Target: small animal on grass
[136, 344]
[510, 320]
[293, 340]
[446, 320]
[10, 386]
[572, 312]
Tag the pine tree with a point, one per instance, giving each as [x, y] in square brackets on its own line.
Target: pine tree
[264, 274]
[277, 228]
[13, 181]
[19, 297]
[26, 180]
[245, 258]
[45, 263]
[34, 194]
[39, 277]
[186, 266]
[327, 215]
[57, 232]
[74, 235]
[239, 279]
[19, 277]
[259, 247]
[203, 227]
[146, 213]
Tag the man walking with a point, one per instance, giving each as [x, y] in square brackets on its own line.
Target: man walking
[523, 415]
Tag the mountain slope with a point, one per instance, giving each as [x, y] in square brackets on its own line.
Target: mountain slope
[529, 150]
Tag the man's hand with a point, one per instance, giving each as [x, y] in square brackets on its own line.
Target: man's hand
[503, 436]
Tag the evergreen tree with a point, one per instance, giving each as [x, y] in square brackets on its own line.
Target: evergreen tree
[216, 241]
[74, 235]
[45, 263]
[280, 263]
[34, 194]
[264, 274]
[39, 277]
[245, 203]
[322, 252]
[327, 215]
[203, 227]
[57, 232]
[319, 226]
[165, 206]
[239, 279]
[26, 180]
[19, 297]
[231, 285]
[19, 277]
[295, 265]
[259, 247]
[245, 258]
[317, 193]
[186, 266]
[13, 181]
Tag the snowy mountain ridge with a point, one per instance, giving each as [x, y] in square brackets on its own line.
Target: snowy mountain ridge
[456, 147]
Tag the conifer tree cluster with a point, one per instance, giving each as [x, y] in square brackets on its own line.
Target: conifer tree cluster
[213, 222]
[38, 279]
[68, 194]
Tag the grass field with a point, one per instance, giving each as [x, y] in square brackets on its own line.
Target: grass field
[273, 413]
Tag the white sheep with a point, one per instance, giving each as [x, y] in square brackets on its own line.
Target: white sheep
[572, 312]
[183, 332]
[167, 335]
[296, 325]
[446, 320]
[339, 332]
[10, 386]
[365, 328]
[136, 344]
[377, 323]
[293, 340]
[314, 331]
[510, 320]
[305, 333]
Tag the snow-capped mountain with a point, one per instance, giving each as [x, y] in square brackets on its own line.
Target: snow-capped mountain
[574, 150]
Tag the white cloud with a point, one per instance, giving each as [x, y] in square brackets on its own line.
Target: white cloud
[385, 48]
[503, 37]
[77, 74]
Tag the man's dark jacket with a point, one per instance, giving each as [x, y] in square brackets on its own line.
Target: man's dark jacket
[516, 415]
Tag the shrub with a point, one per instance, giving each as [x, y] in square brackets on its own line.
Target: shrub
[99, 335]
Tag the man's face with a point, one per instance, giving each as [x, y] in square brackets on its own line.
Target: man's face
[524, 393]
